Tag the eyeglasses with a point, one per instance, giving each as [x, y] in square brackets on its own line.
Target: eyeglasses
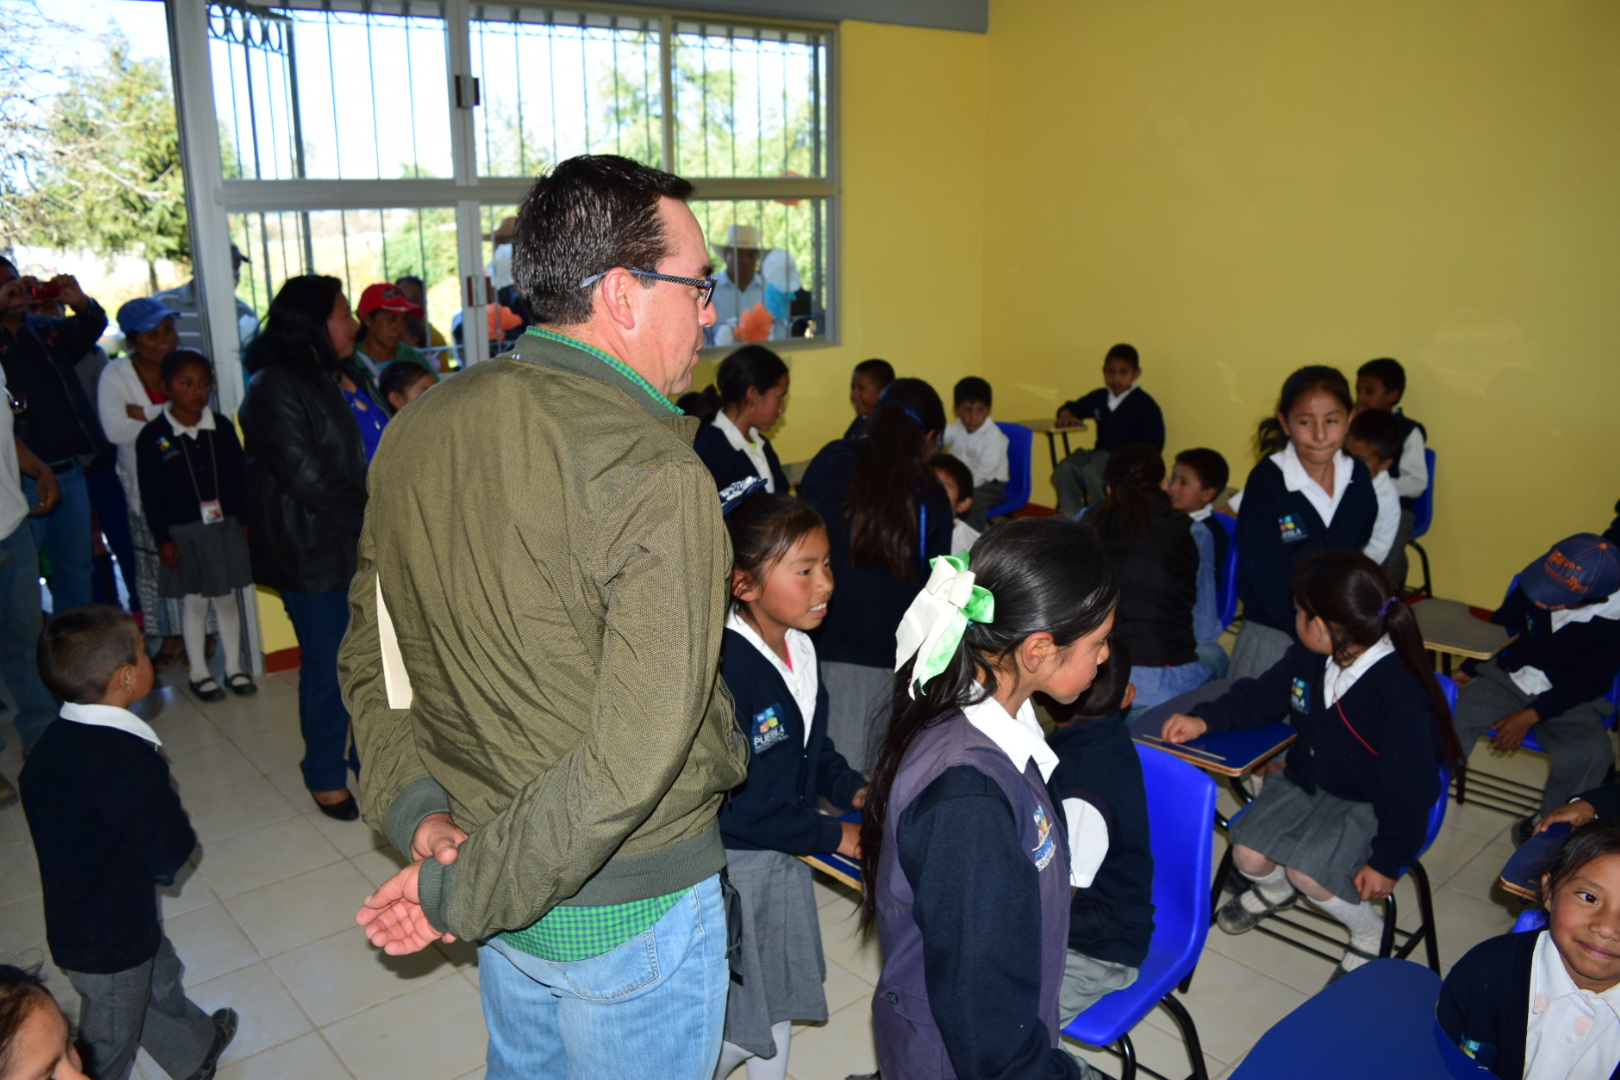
[705, 286]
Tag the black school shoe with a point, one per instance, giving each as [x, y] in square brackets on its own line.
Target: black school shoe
[224, 1032]
[347, 810]
[208, 689]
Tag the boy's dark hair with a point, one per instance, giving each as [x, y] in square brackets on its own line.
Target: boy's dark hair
[588, 215]
[1105, 697]
[1593, 840]
[1270, 437]
[879, 371]
[1208, 465]
[1380, 431]
[179, 359]
[22, 990]
[400, 376]
[959, 473]
[412, 279]
[764, 527]
[81, 648]
[972, 389]
[1124, 352]
[1387, 371]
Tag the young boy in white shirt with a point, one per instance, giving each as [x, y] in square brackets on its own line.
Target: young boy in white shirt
[1375, 440]
[955, 479]
[976, 441]
[1194, 484]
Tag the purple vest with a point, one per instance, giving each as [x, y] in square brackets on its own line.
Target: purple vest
[908, 1042]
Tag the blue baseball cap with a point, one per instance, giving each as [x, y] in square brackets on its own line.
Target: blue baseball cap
[1578, 568]
[143, 315]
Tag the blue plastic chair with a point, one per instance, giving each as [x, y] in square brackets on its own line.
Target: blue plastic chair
[1422, 518]
[1181, 804]
[1020, 464]
[1530, 919]
[1226, 591]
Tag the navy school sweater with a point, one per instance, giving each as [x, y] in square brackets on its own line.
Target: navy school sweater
[1277, 528]
[1138, 419]
[108, 828]
[1580, 660]
[729, 465]
[175, 471]
[1407, 427]
[1396, 768]
[775, 808]
[866, 610]
[1112, 918]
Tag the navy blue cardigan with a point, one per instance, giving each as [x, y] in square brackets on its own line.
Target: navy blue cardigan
[1580, 660]
[775, 808]
[1396, 768]
[729, 465]
[1277, 528]
[1138, 419]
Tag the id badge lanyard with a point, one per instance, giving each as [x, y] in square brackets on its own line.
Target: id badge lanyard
[209, 509]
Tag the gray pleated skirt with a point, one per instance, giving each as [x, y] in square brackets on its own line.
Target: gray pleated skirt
[782, 965]
[1322, 836]
[858, 701]
[213, 560]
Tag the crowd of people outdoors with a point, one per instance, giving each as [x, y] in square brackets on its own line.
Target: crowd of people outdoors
[570, 639]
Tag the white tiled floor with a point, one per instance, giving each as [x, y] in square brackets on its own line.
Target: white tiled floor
[265, 923]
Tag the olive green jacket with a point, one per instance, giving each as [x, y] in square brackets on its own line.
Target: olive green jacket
[554, 564]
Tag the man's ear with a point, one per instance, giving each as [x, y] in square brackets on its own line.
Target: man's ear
[616, 292]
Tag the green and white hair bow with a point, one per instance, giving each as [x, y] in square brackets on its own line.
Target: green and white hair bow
[933, 625]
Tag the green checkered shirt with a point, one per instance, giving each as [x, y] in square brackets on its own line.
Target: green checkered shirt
[579, 933]
[613, 362]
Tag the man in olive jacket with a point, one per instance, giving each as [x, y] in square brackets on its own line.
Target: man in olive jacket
[534, 644]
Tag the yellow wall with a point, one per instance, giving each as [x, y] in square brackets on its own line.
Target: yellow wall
[1245, 187]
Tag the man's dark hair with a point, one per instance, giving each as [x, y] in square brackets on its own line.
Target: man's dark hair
[879, 371]
[400, 376]
[1380, 430]
[1387, 371]
[1125, 352]
[587, 216]
[83, 647]
[1208, 465]
[412, 279]
[973, 389]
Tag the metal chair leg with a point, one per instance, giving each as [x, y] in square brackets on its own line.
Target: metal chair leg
[1423, 556]
[1126, 1051]
[1386, 945]
[1189, 1035]
[1431, 943]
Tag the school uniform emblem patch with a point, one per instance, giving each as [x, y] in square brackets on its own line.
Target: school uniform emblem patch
[1290, 528]
[768, 730]
[1045, 842]
[1299, 697]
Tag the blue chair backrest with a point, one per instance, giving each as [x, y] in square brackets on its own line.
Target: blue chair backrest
[1437, 812]
[1423, 509]
[1020, 451]
[1181, 805]
[1530, 919]
[1226, 590]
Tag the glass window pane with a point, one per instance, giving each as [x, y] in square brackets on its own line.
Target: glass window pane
[774, 258]
[749, 103]
[555, 84]
[329, 95]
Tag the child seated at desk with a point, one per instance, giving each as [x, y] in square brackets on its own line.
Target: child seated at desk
[1375, 440]
[1351, 809]
[1566, 613]
[975, 440]
[1098, 786]
[1124, 413]
[1194, 484]
[958, 484]
[1532, 1005]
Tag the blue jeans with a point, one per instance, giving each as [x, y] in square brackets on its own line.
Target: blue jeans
[654, 1006]
[64, 536]
[320, 620]
[112, 514]
[19, 635]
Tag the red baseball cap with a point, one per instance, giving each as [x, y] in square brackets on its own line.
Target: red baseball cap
[386, 298]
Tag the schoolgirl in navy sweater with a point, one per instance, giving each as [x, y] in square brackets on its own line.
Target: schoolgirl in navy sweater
[782, 582]
[1351, 809]
[746, 400]
[1305, 496]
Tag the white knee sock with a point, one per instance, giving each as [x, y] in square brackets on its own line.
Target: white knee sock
[1273, 887]
[229, 617]
[772, 1068]
[1366, 924]
[193, 620]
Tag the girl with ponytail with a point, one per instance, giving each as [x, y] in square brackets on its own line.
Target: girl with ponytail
[746, 400]
[886, 515]
[1351, 809]
[967, 872]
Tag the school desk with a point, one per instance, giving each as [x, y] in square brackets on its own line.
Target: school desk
[1232, 754]
[1052, 429]
[1450, 628]
[1521, 876]
[838, 866]
[1376, 1021]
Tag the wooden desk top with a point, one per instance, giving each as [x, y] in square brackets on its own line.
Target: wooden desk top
[1447, 626]
[1049, 426]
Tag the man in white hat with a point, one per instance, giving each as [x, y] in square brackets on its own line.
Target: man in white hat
[747, 282]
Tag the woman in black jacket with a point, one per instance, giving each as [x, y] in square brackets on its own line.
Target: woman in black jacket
[306, 472]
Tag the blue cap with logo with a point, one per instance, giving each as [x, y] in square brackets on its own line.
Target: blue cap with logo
[143, 315]
[1578, 568]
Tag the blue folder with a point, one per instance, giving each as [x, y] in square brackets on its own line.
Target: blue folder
[1522, 874]
[1228, 752]
[838, 866]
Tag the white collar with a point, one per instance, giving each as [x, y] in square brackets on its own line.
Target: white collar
[733, 433]
[1019, 737]
[1550, 980]
[1338, 680]
[1202, 515]
[1295, 478]
[110, 716]
[1114, 399]
[1609, 609]
[205, 423]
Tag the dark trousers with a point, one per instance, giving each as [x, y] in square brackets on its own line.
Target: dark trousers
[320, 620]
[112, 515]
[142, 1007]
